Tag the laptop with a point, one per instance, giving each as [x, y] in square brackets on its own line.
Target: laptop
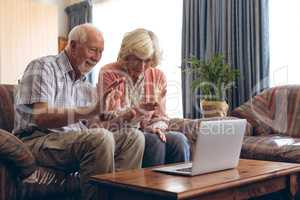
[218, 147]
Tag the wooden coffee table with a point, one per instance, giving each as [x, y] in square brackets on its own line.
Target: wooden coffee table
[252, 178]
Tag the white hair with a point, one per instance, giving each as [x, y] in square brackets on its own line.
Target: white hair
[79, 32]
[141, 43]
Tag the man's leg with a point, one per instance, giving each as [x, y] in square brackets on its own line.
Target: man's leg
[178, 149]
[130, 144]
[90, 151]
[155, 150]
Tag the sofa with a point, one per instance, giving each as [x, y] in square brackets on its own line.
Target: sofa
[272, 133]
[274, 116]
[273, 128]
[21, 177]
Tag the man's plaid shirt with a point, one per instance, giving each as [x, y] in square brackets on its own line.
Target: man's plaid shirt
[51, 79]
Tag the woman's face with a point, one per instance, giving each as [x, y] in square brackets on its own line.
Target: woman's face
[136, 65]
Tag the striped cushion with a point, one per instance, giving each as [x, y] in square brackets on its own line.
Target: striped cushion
[6, 107]
[274, 111]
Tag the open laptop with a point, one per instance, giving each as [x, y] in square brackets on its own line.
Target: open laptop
[218, 148]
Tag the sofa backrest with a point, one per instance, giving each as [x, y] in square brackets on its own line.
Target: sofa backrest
[274, 111]
[7, 107]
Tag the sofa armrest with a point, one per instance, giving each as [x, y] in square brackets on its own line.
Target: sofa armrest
[15, 154]
[3, 194]
[7, 183]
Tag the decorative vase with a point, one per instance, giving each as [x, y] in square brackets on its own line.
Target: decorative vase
[214, 108]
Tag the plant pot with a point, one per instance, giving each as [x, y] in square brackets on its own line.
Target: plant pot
[214, 108]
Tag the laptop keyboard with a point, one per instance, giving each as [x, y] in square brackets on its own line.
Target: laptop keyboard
[188, 169]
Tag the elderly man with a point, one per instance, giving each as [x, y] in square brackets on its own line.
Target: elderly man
[54, 104]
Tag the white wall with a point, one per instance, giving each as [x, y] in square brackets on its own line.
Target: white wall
[284, 42]
[62, 19]
[164, 17]
[29, 29]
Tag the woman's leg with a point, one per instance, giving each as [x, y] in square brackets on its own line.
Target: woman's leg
[155, 150]
[177, 148]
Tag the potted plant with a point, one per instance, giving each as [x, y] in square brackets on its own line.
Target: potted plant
[214, 78]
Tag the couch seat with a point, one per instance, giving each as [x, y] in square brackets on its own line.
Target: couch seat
[272, 147]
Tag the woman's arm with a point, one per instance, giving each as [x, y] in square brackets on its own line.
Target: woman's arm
[107, 80]
[156, 90]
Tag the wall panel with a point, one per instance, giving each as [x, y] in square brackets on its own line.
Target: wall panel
[28, 30]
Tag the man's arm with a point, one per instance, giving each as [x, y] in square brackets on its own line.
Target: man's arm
[47, 117]
[135, 114]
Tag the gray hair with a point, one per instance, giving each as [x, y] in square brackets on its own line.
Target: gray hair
[79, 32]
[141, 43]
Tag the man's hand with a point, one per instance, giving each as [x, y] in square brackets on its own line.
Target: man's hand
[128, 115]
[106, 116]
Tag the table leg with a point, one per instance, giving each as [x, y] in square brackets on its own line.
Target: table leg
[293, 187]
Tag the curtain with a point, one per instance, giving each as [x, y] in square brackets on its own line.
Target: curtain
[236, 28]
[80, 13]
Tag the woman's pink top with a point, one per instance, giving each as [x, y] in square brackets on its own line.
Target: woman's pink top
[150, 86]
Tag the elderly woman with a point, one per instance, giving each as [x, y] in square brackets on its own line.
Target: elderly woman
[141, 82]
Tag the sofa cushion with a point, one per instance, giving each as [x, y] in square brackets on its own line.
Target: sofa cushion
[15, 153]
[7, 107]
[273, 148]
[274, 111]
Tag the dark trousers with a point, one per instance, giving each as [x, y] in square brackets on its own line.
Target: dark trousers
[157, 152]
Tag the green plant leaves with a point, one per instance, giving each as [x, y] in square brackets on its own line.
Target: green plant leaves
[214, 76]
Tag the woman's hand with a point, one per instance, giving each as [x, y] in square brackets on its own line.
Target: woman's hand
[113, 100]
[112, 95]
[148, 106]
[144, 111]
[157, 131]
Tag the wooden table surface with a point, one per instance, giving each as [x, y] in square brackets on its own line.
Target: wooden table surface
[181, 187]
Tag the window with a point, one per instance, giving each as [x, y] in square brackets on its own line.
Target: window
[284, 42]
[164, 17]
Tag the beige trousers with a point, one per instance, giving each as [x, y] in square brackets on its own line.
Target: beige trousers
[93, 151]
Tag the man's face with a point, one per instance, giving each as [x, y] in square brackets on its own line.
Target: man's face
[136, 65]
[86, 55]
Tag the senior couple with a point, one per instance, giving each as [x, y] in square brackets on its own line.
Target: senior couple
[123, 126]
